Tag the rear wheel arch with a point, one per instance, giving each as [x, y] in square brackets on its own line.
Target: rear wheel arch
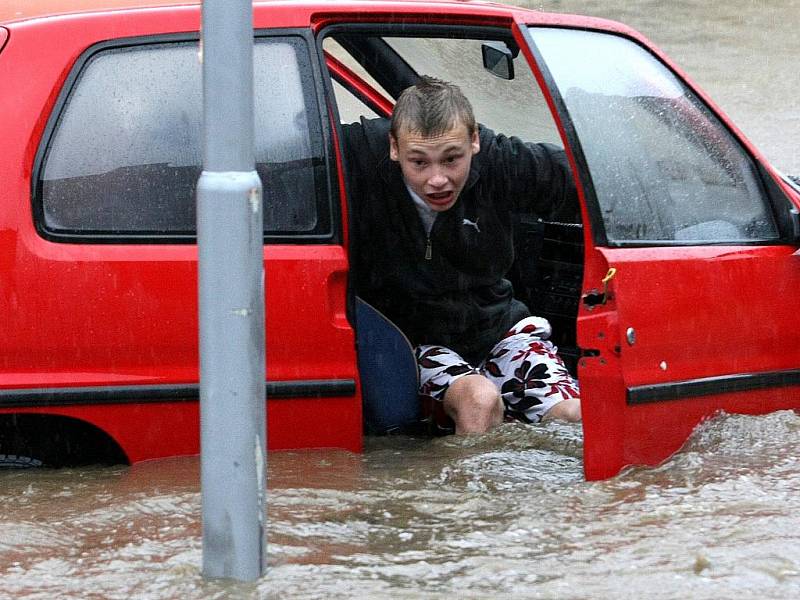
[32, 439]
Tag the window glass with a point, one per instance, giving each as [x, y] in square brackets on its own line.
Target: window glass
[289, 147]
[664, 169]
[127, 150]
[514, 107]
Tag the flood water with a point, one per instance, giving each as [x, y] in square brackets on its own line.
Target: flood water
[506, 514]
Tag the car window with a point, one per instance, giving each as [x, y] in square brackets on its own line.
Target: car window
[664, 169]
[513, 107]
[126, 152]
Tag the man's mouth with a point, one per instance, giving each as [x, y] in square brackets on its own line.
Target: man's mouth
[439, 198]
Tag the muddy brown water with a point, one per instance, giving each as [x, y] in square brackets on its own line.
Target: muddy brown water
[502, 515]
[506, 514]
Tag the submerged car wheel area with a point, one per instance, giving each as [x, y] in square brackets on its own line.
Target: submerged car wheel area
[31, 440]
[671, 287]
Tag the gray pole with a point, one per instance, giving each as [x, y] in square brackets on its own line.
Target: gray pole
[231, 298]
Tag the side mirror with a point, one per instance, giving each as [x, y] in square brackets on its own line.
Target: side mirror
[498, 60]
[794, 216]
[794, 213]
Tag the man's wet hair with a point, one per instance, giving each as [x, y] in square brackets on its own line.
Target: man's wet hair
[432, 107]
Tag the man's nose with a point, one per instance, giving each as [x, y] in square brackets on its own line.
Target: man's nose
[437, 179]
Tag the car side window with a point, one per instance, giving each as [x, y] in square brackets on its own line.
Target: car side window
[664, 169]
[126, 152]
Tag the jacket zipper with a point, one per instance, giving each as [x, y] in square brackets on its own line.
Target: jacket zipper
[428, 250]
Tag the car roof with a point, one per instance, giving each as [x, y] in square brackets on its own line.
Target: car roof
[20, 10]
[23, 10]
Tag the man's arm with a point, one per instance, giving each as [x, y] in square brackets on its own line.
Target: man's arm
[536, 177]
[364, 144]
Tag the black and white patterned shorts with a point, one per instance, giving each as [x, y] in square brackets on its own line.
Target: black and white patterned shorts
[524, 367]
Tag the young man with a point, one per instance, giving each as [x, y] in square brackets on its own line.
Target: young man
[433, 197]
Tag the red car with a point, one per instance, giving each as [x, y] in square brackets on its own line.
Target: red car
[673, 295]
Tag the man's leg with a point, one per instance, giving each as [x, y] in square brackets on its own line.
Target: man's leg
[474, 404]
[566, 410]
[532, 378]
[470, 399]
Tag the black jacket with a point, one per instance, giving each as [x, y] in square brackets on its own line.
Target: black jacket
[459, 297]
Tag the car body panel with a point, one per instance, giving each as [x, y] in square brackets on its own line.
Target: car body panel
[685, 333]
[124, 316]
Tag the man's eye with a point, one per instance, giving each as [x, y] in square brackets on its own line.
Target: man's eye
[418, 163]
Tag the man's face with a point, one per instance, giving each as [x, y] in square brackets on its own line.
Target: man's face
[436, 168]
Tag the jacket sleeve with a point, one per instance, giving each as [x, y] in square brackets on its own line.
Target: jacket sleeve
[362, 144]
[536, 178]
[353, 145]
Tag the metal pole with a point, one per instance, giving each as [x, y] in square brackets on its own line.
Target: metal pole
[231, 299]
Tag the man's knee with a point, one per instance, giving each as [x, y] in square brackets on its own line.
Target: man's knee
[474, 403]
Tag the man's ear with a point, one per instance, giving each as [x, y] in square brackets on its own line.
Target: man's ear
[393, 152]
[475, 142]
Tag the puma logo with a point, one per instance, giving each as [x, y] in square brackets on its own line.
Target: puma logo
[473, 224]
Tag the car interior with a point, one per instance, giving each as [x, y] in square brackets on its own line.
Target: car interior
[369, 68]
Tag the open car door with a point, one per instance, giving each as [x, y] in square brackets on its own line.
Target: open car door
[692, 271]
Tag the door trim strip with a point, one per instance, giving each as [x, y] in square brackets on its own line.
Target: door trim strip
[130, 394]
[708, 386]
